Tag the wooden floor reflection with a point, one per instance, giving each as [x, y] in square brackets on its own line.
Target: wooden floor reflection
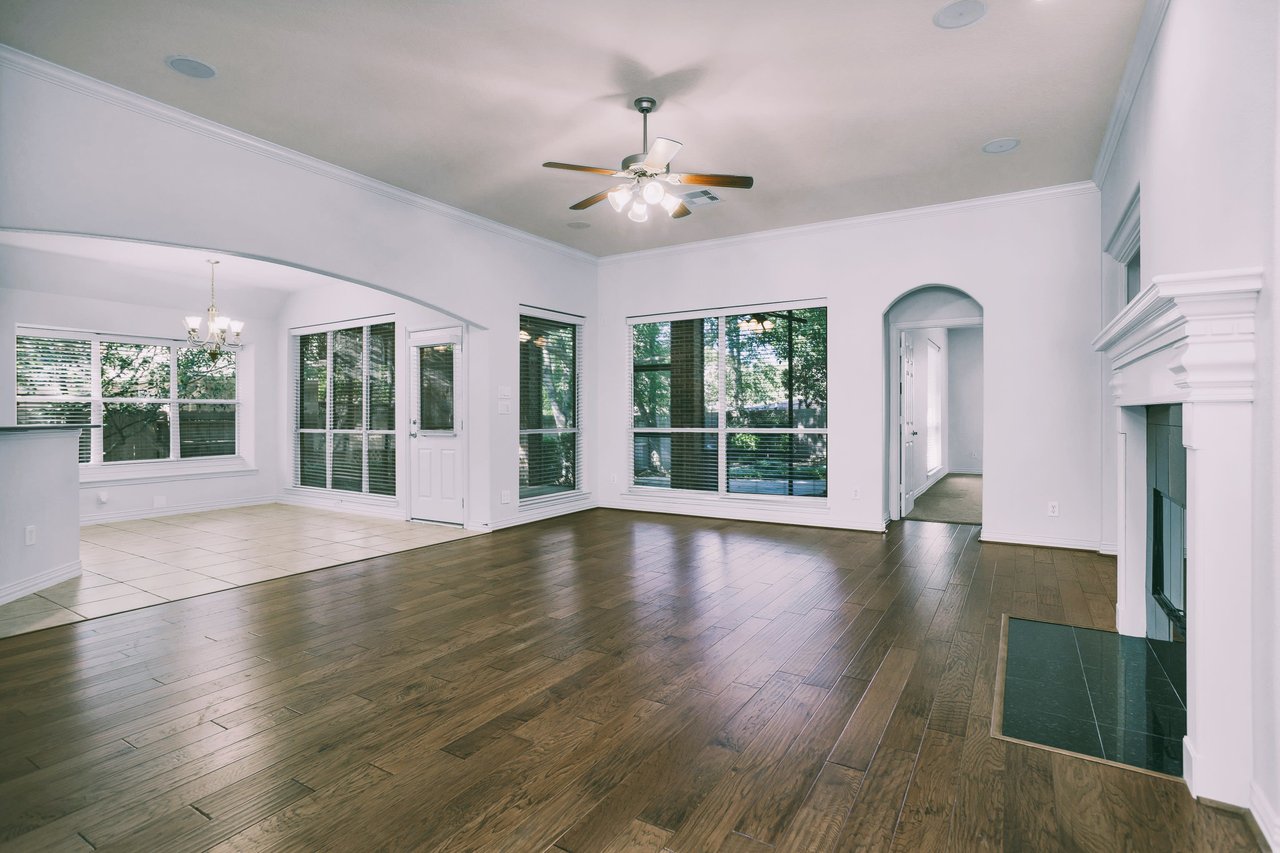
[603, 681]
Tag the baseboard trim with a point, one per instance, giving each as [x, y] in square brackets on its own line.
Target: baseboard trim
[744, 512]
[977, 471]
[989, 535]
[1265, 816]
[43, 580]
[394, 512]
[537, 513]
[203, 506]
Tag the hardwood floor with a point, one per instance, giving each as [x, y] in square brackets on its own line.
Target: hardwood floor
[605, 681]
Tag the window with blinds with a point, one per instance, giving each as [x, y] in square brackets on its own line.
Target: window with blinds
[156, 400]
[733, 404]
[345, 414]
[550, 440]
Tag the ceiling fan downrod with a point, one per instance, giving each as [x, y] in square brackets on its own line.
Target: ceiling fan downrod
[645, 105]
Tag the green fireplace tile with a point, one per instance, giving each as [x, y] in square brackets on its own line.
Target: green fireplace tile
[1142, 749]
[1037, 726]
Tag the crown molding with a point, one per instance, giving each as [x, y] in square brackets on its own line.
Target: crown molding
[1134, 70]
[49, 72]
[906, 214]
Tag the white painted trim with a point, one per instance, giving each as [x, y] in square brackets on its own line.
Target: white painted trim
[160, 472]
[1134, 70]
[910, 213]
[729, 310]
[965, 470]
[295, 497]
[37, 582]
[1265, 815]
[749, 509]
[49, 72]
[987, 535]
[1110, 549]
[527, 515]
[88, 519]
[955, 323]
[1124, 241]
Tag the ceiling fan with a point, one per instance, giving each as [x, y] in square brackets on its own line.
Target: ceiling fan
[646, 173]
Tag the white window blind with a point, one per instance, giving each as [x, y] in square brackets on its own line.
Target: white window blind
[156, 400]
[345, 413]
[731, 403]
[550, 438]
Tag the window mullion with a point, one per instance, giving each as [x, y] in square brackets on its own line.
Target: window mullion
[96, 416]
[328, 413]
[175, 440]
[364, 412]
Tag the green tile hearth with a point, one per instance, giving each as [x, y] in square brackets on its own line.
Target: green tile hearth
[1096, 693]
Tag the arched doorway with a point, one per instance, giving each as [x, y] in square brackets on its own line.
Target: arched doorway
[934, 406]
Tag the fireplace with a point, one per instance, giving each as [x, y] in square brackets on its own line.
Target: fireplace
[1188, 341]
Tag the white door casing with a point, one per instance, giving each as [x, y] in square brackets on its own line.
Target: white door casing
[437, 449]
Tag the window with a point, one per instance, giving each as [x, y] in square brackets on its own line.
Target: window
[732, 404]
[346, 410]
[549, 437]
[933, 410]
[156, 400]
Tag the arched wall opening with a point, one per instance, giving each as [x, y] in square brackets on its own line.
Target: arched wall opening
[933, 404]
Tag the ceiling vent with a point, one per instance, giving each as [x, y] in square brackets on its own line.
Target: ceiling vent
[698, 197]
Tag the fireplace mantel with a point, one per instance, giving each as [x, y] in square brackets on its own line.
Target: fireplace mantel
[1189, 339]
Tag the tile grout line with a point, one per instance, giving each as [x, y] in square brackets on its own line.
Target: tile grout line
[1084, 676]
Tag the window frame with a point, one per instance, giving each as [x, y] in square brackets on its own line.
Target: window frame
[723, 429]
[364, 324]
[97, 469]
[578, 323]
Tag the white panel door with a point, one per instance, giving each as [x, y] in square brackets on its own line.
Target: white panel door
[907, 418]
[437, 457]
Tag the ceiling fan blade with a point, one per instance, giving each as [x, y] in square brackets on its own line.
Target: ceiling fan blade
[660, 154]
[681, 211]
[575, 168]
[595, 199]
[741, 182]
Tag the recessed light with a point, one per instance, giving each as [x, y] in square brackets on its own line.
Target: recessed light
[959, 14]
[190, 67]
[578, 225]
[1003, 145]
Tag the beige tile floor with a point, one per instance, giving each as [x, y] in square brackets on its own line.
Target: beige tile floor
[131, 564]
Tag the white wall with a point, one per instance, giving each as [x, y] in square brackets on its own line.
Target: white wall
[82, 157]
[36, 288]
[1200, 140]
[1030, 260]
[964, 395]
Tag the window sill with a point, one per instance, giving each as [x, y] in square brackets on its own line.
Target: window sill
[551, 500]
[124, 473]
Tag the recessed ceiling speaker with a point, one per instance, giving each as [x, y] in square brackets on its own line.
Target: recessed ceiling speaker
[190, 67]
[1003, 145]
[959, 14]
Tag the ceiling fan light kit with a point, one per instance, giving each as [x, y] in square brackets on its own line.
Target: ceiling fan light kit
[645, 175]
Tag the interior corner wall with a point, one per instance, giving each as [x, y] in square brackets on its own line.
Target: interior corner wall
[1031, 261]
[1201, 142]
[964, 395]
[26, 299]
[81, 157]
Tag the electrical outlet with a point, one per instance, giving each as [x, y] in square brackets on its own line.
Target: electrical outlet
[506, 496]
[1053, 509]
[974, 454]
[613, 478]
[30, 534]
[857, 493]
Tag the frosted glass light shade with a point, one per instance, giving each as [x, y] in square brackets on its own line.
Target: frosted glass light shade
[193, 323]
[619, 196]
[652, 192]
[639, 212]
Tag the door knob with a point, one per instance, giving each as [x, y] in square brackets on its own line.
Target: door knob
[913, 432]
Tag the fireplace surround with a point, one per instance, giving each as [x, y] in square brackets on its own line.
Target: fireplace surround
[1189, 339]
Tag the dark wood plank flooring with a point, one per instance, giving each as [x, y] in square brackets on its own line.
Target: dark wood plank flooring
[605, 681]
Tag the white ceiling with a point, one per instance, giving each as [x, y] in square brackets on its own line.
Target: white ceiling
[838, 108]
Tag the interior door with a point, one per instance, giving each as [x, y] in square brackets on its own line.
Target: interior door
[907, 419]
[437, 452]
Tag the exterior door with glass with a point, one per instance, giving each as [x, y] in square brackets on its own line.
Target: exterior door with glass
[436, 448]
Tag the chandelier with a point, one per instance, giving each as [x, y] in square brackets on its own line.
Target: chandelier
[215, 339]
